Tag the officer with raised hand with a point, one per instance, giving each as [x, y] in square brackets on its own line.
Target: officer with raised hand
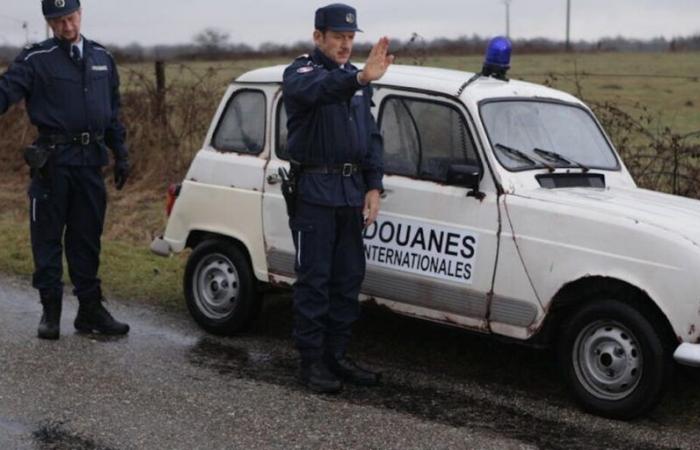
[336, 152]
[71, 88]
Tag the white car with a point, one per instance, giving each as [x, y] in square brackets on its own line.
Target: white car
[506, 211]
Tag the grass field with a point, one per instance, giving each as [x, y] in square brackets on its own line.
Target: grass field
[668, 84]
[665, 83]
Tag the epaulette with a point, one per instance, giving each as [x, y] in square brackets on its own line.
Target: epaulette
[35, 48]
[97, 44]
[100, 47]
[32, 46]
[303, 56]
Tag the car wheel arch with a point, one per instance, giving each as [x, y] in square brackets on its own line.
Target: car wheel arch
[575, 294]
[196, 237]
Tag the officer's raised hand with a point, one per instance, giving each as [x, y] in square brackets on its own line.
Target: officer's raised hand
[377, 63]
[121, 173]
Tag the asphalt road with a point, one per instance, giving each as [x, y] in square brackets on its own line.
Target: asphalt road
[168, 385]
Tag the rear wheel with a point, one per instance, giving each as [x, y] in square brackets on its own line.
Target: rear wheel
[614, 361]
[219, 286]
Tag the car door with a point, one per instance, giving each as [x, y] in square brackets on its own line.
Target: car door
[433, 248]
[278, 239]
[432, 251]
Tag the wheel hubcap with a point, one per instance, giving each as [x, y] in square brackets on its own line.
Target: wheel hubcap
[216, 285]
[608, 360]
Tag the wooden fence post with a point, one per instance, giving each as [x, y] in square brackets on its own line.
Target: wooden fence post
[160, 92]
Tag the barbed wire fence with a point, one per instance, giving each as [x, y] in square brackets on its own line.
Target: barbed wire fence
[658, 157]
[167, 120]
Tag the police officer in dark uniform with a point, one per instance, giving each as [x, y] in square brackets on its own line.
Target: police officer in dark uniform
[336, 152]
[71, 88]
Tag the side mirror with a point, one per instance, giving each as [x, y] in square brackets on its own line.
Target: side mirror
[466, 175]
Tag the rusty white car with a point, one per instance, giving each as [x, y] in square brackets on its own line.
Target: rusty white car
[506, 211]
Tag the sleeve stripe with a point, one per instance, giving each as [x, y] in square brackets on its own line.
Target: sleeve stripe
[40, 51]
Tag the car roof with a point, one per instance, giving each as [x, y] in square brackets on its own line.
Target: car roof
[444, 81]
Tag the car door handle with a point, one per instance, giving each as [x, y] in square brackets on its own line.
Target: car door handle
[273, 178]
[385, 193]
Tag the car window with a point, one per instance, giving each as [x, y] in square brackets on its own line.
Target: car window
[422, 138]
[281, 146]
[242, 126]
[535, 128]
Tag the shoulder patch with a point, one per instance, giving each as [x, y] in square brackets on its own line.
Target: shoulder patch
[101, 48]
[96, 44]
[32, 50]
[305, 69]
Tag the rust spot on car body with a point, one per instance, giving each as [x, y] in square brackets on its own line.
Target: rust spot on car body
[450, 319]
[278, 282]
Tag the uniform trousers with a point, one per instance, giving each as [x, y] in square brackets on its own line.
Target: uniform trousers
[330, 267]
[67, 205]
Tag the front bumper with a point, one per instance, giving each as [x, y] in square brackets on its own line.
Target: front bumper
[688, 354]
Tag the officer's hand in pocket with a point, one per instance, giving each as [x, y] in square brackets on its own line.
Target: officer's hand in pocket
[121, 173]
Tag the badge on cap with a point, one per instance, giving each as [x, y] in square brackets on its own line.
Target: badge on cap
[350, 18]
[60, 3]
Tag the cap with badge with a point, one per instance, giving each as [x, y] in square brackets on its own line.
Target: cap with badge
[336, 17]
[59, 8]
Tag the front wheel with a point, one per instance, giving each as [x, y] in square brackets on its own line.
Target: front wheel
[614, 361]
[220, 289]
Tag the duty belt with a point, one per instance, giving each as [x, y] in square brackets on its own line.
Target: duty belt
[346, 169]
[85, 138]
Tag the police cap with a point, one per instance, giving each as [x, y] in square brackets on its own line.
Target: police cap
[336, 17]
[59, 8]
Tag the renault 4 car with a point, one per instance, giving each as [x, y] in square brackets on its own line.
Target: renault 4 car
[506, 211]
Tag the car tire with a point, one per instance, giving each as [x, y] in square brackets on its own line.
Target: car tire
[614, 361]
[220, 289]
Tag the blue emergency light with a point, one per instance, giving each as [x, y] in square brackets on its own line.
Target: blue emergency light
[497, 60]
[496, 63]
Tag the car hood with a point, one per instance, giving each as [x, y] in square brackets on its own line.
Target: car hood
[672, 213]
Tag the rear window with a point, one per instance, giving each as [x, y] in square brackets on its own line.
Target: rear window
[242, 126]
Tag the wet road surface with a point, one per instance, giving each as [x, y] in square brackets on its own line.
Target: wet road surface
[169, 385]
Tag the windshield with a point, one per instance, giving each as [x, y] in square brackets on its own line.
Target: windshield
[533, 134]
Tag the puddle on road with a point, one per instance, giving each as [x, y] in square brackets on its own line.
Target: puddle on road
[53, 436]
[445, 406]
[238, 362]
[101, 337]
[10, 426]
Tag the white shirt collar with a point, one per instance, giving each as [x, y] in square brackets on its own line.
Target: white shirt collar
[79, 44]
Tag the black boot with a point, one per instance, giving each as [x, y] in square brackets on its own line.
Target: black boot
[315, 375]
[347, 370]
[93, 317]
[50, 325]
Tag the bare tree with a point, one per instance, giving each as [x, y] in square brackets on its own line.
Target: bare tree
[211, 40]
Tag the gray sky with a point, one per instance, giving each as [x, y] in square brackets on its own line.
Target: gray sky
[150, 22]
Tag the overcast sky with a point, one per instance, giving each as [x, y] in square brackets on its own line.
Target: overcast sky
[150, 22]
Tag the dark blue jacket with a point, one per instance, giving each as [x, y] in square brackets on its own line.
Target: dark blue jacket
[64, 96]
[330, 123]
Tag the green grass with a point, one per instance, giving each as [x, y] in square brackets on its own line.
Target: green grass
[675, 101]
[626, 79]
[129, 271]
